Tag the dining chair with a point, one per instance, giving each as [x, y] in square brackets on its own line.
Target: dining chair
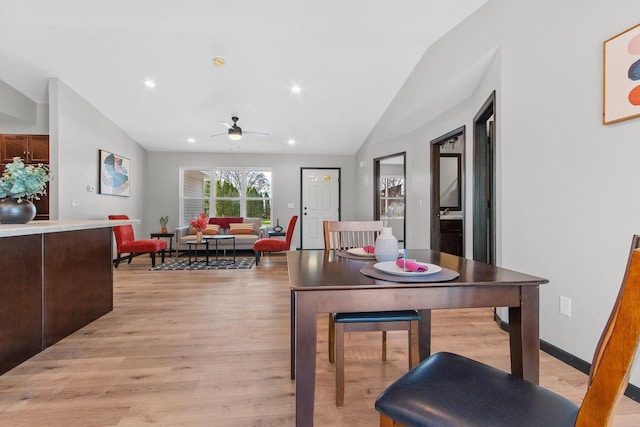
[127, 243]
[451, 390]
[344, 235]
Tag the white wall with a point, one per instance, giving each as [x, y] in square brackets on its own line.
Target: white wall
[78, 131]
[163, 173]
[566, 185]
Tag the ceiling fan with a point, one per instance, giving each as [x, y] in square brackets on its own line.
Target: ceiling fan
[235, 132]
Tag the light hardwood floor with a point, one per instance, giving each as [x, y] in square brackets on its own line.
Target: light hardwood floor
[190, 348]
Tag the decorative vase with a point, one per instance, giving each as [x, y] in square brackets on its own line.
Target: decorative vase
[164, 230]
[386, 246]
[12, 212]
[199, 236]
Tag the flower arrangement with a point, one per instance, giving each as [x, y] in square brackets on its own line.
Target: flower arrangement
[22, 181]
[199, 223]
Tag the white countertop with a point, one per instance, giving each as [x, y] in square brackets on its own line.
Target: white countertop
[41, 227]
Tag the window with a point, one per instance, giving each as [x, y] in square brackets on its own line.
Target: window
[391, 197]
[237, 192]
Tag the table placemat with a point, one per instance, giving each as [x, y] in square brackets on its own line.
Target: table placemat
[443, 276]
[345, 254]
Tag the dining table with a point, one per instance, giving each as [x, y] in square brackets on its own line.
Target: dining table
[328, 281]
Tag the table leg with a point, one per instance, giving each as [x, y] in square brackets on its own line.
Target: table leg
[424, 338]
[189, 245]
[293, 335]
[305, 335]
[206, 245]
[524, 335]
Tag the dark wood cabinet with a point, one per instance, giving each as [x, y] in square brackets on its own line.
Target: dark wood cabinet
[451, 236]
[58, 283]
[78, 281]
[30, 148]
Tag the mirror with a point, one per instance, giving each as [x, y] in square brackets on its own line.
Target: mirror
[450, 177]
[389, 193]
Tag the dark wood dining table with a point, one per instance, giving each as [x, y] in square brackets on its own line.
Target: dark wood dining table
[323, 282]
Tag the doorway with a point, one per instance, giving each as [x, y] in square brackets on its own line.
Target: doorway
[484, 183]
[447, 192]
[389, 193]
[320, 200]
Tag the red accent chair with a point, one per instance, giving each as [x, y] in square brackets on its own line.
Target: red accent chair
[127, 243]
[275, 245]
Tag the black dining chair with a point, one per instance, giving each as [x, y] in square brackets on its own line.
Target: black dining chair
[451, 390]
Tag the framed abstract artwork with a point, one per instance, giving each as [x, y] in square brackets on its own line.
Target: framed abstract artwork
[621, 76]
[115, 174]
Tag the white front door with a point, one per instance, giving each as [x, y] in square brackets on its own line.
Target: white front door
[320, 201]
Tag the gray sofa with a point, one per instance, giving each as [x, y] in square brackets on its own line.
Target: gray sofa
[243, 241]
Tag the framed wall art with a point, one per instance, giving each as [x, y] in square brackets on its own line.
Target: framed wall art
[621, 76]
[115, 174]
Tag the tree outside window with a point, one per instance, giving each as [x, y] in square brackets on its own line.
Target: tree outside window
[237, 192]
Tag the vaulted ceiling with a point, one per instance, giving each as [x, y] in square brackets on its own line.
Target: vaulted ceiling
[348, 58]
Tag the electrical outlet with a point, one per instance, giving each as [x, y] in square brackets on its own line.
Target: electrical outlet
[565, 306]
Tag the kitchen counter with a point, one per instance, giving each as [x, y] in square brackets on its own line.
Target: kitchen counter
[58, 278]
[40, 227]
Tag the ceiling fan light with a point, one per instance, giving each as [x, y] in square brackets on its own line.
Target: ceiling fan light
[235, 134]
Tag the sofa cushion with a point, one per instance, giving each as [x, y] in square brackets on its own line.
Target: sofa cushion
[241, 228]
[211, 230]
[225, 222]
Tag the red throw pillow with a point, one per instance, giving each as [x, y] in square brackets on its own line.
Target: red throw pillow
[224, 222]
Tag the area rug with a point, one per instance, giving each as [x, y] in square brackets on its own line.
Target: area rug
[242, 263]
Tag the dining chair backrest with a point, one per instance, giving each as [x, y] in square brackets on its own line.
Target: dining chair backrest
[616, 350]
[341, 235]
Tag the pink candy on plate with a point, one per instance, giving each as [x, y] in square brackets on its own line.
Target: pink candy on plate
[369, 249]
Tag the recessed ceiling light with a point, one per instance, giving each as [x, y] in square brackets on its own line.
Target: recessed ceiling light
[292, 141]
[150, 83]
[218, 61]
[191, 140]
[296, 89]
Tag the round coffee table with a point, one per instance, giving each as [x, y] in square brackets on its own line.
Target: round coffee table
[193, 246]
[218, 238]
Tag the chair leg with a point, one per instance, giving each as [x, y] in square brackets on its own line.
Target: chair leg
[339, 357]
[384, 346]
[388, 422]
[163, 256]
[130, 258]
[332, 338]
[414, 354]
[153, 259]
[117, 261]
[257, 257]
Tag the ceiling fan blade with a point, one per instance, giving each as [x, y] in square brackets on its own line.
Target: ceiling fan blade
[261, 134]
[218, 134]
[227, 125]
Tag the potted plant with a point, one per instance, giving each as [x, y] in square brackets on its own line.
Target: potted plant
[18, 185]
[164, 220]
[199, 223]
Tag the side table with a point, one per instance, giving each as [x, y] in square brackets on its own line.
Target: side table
[165, 235]
[276, 234]
[194, 244]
